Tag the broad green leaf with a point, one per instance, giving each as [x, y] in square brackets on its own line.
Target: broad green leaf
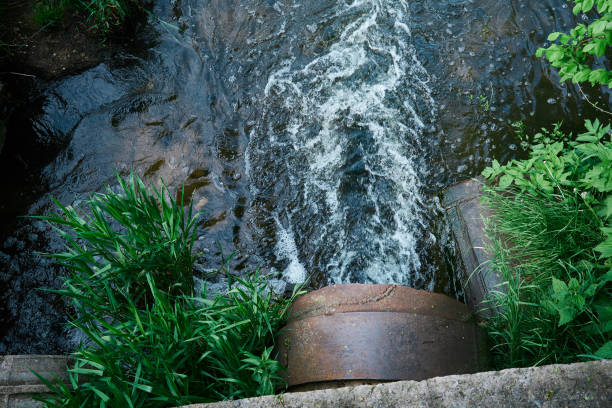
[607, 205]
[598, 27]
[558, 286]
[605, 248]
[566, 315]
[505, 181]
[604, 312]
[605, 351]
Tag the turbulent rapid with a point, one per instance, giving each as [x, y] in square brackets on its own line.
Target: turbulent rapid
[338, 159]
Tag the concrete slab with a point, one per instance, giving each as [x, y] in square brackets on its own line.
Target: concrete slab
[17, 382]
[573, 385]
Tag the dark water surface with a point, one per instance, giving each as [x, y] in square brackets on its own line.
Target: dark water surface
[315, 136]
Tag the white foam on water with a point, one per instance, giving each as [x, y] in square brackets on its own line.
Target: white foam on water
[361, 96]
[286, 248]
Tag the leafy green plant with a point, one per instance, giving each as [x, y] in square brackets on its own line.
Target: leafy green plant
[151, 342]
[104, 15]
[123, 237]
[549, 238]
[108, 14]
[575, 53]
[49, 12]
[484, 103]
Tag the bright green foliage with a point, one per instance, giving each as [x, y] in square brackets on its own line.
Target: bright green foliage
[549, 237]
[574, 53]
[484, 103]
[126, 236]
[150, 341]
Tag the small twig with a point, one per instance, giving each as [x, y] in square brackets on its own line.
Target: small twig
[19, 73]
[591, 103]
[12, 45]
[41, 29]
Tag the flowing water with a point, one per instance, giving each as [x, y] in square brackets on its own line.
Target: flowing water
[346, 135]
[315, 136]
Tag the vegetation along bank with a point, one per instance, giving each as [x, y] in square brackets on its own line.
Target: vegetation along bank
[550, 232]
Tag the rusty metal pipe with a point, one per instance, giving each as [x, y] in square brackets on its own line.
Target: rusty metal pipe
[378, 333]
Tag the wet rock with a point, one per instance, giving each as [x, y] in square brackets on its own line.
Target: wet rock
[4, 259]
[220, 286]
[278, 286]
[9, 270]
[10, 242]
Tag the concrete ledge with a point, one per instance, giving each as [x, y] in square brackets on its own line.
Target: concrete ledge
[572, 385]
[17, 382]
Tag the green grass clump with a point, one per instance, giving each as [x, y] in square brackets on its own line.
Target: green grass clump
[108, 14]
[540, 242]
[49, 12]
[103, 15]
[550, 239]
[151, 342]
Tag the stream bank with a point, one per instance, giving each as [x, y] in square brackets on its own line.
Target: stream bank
[31, 58]
[302, 161]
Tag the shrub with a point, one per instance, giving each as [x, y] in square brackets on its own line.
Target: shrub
[150, 341]
[550, 239]
[575, 53]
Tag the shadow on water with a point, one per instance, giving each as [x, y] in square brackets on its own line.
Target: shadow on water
[314, 136]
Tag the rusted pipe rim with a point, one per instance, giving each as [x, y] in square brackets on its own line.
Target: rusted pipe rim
[378, 332]
[357, 297]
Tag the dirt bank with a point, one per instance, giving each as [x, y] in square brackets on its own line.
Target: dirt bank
[53, 49]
